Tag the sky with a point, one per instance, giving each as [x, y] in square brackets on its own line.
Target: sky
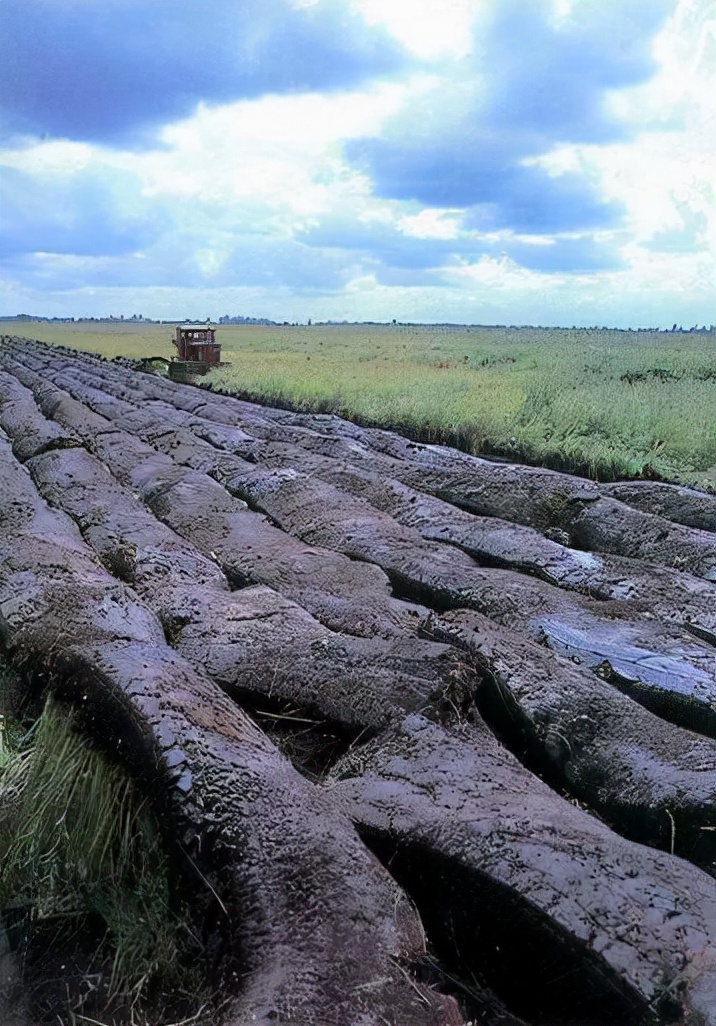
[470, 161]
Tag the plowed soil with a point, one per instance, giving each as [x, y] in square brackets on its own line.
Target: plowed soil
[438, 732]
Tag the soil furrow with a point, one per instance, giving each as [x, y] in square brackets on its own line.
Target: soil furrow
[672, 673]
[396, 616]
[644, 762]
[309, 947]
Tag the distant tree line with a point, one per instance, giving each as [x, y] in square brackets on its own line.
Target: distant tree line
[226, 319]
[236, 319]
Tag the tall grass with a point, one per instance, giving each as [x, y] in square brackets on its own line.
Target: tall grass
[623, 417]
[116, 338]
[604, 402]
[78, 844]
[609, 404]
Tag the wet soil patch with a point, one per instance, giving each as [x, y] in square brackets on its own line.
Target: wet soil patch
[488, 941]
[290, 727]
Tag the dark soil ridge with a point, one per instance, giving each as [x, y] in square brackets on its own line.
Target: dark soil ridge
[652, 674]
[226, 559]
[466, 439]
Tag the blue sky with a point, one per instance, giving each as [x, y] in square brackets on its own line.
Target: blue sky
[489, 161]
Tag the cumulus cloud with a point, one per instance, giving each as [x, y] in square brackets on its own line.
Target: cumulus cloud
[530, 82]
[470, 160]
[86, 214]
[383, 242]
[184, 261]
[109, 72]
[387, 246]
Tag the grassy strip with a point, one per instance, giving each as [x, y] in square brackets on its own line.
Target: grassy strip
[81, 855]
[601, 402]
[608, 404]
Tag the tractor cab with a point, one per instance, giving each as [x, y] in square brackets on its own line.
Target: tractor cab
[197, 351]
[197, 343]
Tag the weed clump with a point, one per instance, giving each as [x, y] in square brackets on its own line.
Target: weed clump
[85, 884]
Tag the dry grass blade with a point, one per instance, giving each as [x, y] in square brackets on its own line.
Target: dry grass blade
[77, 840]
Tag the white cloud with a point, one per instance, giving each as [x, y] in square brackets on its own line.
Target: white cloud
[665, 176]
[683, 89]
[56, 156]
[274, 162]
[431, 29]
[500, 273]
[271, 165]
[431, 224]
[231, 181]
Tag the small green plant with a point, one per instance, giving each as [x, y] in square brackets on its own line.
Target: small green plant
[78, 846]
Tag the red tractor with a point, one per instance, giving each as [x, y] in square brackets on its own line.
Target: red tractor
[197, 351]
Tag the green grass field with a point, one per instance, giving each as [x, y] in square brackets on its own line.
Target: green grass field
[603, 402]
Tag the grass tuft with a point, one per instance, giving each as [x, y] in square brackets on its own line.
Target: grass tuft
[80, 851]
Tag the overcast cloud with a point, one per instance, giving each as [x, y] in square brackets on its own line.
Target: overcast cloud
[509, 161]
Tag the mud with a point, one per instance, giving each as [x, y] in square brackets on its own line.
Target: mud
[315, 644]
[306, 944]
[498, 887]
[682, 505]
